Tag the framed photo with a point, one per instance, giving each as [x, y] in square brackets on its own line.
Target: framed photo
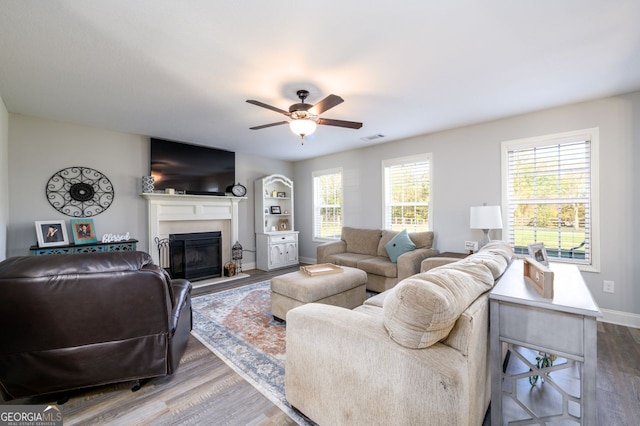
[275, 210]
[83, 231]
[283, 225]
[539, 253]
[51, 233]
[281, 194]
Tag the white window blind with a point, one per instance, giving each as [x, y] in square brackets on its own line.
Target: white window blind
[550, 195]
[407, 189]
[327, 204]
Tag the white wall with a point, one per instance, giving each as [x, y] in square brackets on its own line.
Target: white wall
[4, 178]
[39, 148]
[466, 172]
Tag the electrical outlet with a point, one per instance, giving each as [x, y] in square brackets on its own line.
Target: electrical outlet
[607, 286]
[471, 245]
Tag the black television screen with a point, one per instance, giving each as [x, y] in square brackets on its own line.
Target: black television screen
[193, 169]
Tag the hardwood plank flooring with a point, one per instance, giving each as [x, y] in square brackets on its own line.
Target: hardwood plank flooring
[204, 390]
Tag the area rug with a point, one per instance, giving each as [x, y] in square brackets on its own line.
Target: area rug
[237, 326]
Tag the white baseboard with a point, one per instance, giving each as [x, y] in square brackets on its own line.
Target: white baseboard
[308, 260]
[621, 318]
[248, 266]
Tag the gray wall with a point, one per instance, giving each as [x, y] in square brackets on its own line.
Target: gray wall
[39, 148]
[467, 172]
[4, 178]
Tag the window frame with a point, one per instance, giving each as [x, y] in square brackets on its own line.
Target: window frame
[591, 135]
[314, 175]
[424, 157]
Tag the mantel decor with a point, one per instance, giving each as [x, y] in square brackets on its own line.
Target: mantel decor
[79, 192]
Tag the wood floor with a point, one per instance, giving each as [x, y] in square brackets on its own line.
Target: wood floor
[204, 390]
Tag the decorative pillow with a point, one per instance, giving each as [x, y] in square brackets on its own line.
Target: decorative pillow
[399, 245]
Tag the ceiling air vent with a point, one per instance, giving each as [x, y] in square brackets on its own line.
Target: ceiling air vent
[372, 137]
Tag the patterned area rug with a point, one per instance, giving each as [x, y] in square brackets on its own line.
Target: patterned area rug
[238, 327]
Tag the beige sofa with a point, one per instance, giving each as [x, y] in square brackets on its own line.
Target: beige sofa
[365, 249]
[415, 354]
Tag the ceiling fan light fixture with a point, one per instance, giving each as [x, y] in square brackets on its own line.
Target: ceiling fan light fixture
[303, 127]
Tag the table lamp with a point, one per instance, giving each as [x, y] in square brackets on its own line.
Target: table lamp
[486, 218]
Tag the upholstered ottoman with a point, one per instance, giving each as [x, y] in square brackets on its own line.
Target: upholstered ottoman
[346, 289]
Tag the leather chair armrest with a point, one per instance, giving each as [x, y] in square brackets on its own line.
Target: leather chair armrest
[181, 297]
[326, 249]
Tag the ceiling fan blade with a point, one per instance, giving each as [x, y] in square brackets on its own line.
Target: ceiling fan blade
[272, 108]
[264, 126]
[326, 104]
[339, 123]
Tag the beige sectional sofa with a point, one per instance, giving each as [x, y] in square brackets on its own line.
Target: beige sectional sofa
[414, 354]
[365, 249]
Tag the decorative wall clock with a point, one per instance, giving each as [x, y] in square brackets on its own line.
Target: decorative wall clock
[79, 192]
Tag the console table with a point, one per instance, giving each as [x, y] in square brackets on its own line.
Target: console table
[128, 245]
[561, 331]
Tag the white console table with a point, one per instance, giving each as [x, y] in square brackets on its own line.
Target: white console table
[530, 326]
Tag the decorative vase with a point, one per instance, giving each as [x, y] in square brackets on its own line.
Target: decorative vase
[147, 184]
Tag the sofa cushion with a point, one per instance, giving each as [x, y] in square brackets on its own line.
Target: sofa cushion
[386, 237]
[499, 247]
[422, 239]
[361, 241]
[399, 245]
[422, 309]
[377, 300]
[379, 266]
[347, 259]
[496, 263]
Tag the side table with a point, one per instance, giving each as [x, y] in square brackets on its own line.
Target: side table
[127, 245]
[563, 330]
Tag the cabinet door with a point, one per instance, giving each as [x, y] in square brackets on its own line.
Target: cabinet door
[291, 253]
[276, 255]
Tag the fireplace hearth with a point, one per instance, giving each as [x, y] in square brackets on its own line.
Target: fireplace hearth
[195, 255]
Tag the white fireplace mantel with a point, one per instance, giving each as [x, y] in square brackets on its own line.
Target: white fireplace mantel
[179, 208]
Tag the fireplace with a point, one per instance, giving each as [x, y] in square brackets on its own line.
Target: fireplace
[173, 214]
[195, 255]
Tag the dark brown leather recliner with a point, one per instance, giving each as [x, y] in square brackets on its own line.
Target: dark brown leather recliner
[81, 320]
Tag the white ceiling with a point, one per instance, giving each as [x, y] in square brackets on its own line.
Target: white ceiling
[182, 70]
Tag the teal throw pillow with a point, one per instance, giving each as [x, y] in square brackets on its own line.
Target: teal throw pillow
[399, 245]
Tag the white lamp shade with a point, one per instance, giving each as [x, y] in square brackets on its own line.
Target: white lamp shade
[303, 127]
[486, 217]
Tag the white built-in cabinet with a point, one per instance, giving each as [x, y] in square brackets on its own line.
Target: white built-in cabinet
[276, 239]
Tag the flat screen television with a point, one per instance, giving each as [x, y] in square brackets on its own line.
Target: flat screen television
[193, 169]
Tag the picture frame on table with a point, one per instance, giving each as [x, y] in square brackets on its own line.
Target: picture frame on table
[539, 253]
[84, 231]
[51, 233]
[275, 210]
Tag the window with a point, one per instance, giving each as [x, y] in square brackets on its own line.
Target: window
[327, 204]
[550, 194]
[407, 189]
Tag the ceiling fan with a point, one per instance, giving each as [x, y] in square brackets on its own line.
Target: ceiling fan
[305, 117]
